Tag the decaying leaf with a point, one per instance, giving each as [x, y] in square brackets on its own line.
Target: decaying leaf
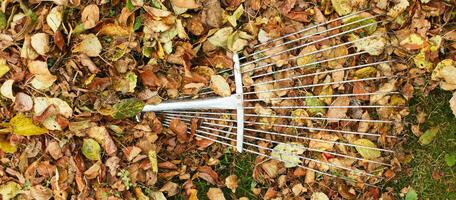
[127, 108]
[90, 45]
[215, 194]
[319, 196]
[231, 183]
[180, 129]
[90, 16]
[429, 135]
[383, 91]
[413, 42]
[4, 68]
[220, 38]
[7, 89]
[366, 152]
[40, 42]
[288, 153]
[22, 125]
[338, 113]
[373, 45]
[220, 86]
[342, 7]
[55, 18]
[398, 8]
[315, 105]
[51, 122]
[91, 149]
[7, 147]
[43, 78]
[101, 135]
[445, 71]
[9, 190]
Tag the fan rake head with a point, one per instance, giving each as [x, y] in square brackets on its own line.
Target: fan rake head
[302, 97]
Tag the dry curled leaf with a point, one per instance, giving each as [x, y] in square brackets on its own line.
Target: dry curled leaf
[90, 16]
[180, 129]
[231, 183]
[220, 86]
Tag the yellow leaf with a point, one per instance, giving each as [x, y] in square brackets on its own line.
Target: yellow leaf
[153, 160]
[7, 147]
[22, 125]
[9, 190]
[367, 153]
[4, 68]
[288, 153]
[113, 30]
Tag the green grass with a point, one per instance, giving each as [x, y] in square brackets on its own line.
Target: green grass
[429, 159]
[232, 164]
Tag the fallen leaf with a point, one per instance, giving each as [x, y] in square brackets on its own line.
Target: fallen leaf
[152, 155]
[4, 68]
[215, 194]
[450, 159]
[413, 42]
[43, 78]
[231, 183]
[180, 129]
[189, 4]
[91, 149]
[232, 19]
[383, 91]
[90, 15]
[429, 135]
[170, 188]
[7, 89]
[445, 71]
[51, 122]
[220, 38]
[365, 152]
[90, 45]
[339, 113]
[411, 195]
[373, 45]
[112, 29]
[127, 108]
[7, 147]
[399, 8]
[39, 192]
[288, 153]
[315, 104]
[101, 135]
[9, 190]
[342, 7]
[319, 196]
[22, 125]
[40, 42]
[220, 86]
[55, 18]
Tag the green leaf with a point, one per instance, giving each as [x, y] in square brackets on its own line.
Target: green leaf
[360, 22]
[2, 20]
[367, 153]
[7, 147]
[130, 5]
[132, 79]
[411, 195]
[127, 108]
[91, 149]
[155, 4]
[22, 125]
[9, 190]
[450, 159]
[315, 102]
[428, 136]
[138, 23]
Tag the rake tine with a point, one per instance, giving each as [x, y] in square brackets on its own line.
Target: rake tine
[319, 73]
[301, 66]
[283, 116]
[287, 126]
[323, 96]
[310, 35]
[313, 42]
[307, 29]
[320, 84]
[283, 152]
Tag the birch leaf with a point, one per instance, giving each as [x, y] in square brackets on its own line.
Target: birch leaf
[7, 147]
[220, 86]
[9, 190]
[40, 42]
[90, 46]
[367, 153]
[232, 19]
[7, 89]
[342, 7]
[220, 38]
[4, 68]
[22, 125]
[55, 18]
[91, 149]
[288, 153]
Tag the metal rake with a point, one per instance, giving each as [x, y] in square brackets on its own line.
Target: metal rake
[244, 118]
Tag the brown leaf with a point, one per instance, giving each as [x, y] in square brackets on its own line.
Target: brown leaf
[206, 173]
[90, 15]
[213, 13]
[338, 112]
[231, 183]
[150, 79]
[170, 188]
[453, 103]
[131, 152]
[167, 165]
[54, 150]
[287, 6]
[270, 193]
[101, 135]
[39, 192]
[190, 4]
[300, 16]
[59, 40]
[180, 129]
[215, 194]
[93, 171]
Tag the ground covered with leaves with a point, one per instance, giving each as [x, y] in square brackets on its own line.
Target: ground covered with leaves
[74, 74]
